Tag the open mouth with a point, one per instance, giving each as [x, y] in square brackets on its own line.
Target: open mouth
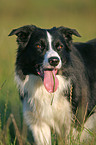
[49, 78]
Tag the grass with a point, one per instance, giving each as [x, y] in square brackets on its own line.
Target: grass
[13, 14]
[10, 134]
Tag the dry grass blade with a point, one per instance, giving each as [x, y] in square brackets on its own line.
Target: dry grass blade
[71, 94]
[2, 84]
[53, 88]
[85, 113]
[18, 136]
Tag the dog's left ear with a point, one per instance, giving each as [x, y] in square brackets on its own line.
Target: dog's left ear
[67, 34]
[23, 34]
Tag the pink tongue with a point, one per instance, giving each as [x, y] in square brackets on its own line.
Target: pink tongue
[50, 81]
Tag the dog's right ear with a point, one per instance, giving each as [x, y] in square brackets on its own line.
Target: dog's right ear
[23, 34]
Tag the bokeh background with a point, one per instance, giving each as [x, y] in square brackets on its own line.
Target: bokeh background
[78, 14]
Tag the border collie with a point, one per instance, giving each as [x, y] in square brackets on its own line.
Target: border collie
[56, 80]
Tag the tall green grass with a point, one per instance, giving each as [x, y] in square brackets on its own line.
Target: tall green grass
[43, 13]
[10, 134]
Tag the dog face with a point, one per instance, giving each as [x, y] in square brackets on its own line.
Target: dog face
[43, 52]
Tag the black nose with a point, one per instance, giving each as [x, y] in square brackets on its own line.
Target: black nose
[53, 61]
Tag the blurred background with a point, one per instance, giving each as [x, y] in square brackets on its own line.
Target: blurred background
[78, 14]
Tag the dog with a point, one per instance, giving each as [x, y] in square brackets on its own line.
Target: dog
[56, 79]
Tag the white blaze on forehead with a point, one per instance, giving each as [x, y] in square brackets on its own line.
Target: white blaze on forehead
[50, 53]
[49, 38]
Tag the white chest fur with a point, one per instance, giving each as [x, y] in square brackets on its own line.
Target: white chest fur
[38, 106]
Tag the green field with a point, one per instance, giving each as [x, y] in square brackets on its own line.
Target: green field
[78, 14]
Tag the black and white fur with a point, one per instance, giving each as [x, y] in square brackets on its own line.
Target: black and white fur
[76, 68]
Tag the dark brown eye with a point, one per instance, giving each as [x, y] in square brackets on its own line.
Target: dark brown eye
[38, 46]
[59, 47]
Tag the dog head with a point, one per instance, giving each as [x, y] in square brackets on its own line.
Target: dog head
[43, 52]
